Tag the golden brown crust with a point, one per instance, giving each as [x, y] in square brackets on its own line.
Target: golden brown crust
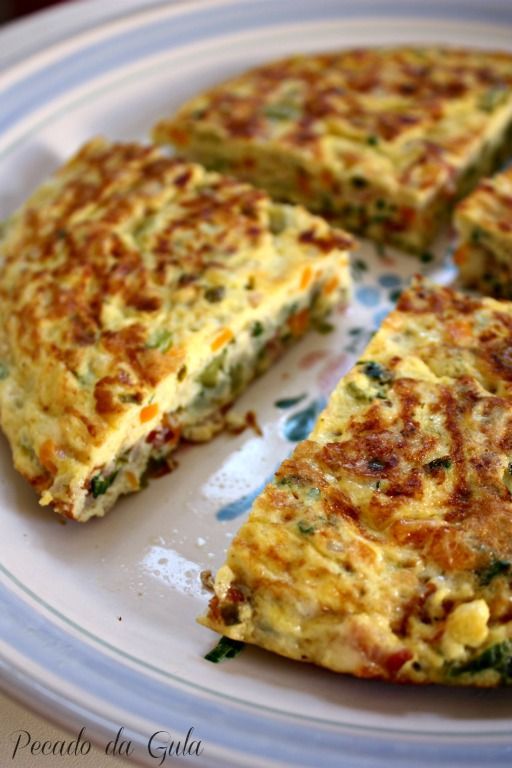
[122, 278]
[380, 139]
[380, 547]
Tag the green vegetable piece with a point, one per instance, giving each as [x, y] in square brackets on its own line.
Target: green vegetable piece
[443, 462]
[372, 140]
[323, 327]
[359, 182]
[492, 98]
[496, 568]
[305, 527]
[314, 493]
[376, 465]
[225, 649]
[426, 257]
[182, 373]
[101, 483]
[257, 329]
[215, 294]
[161, 340]
[282, 111]
[210, 376]
[497, 657]
[377, 372]
[4, 371]
[476, 235]
[237, 378]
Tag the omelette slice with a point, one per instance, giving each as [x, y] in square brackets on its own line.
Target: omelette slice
[139, 295]
[383, 547]
[382, 140]
[484, 225]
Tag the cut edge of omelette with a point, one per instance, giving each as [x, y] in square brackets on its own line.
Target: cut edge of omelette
[139, 296]
[382, 140]
[383, 547]
[483, 221]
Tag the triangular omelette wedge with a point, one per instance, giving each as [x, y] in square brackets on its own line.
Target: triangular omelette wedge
[139, 296]
[382, 140]
[383, 546]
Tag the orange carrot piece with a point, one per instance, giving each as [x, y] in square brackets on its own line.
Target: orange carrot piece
[223, 338]
[148, 412]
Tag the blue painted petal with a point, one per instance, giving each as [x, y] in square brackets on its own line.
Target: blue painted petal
[368, 295]
[299, 425]
[380, 315]
[390, 280]
[243, 504]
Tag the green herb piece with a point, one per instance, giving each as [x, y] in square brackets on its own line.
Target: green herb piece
[4, 371]
[215, 294]
[377, 372]
[497, 657]
[226, 648]
[161, 340]
[210, 376]
[323, 327]
[492, 98]
[476, 235]
[182, 373]
[282, 111]
[128, 397]
[496, 568]
[288, 402]
[237, 377]
[288, 480]
[257, 329]
[380, 204]
[305, 527]
[101, 483]
[372, 140]
[443, 462]
[376, 465]
[359, 182]
[314, 493]
[426, 257]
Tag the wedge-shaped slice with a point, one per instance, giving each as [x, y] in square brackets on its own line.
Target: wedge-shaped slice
[383, 547]
[139, 295]
[382, 140]
[484, 224]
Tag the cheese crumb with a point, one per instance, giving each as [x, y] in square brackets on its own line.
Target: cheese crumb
[467, 624]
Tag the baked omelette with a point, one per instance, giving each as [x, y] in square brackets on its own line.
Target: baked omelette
[383, 546]
[381, 140]
[139, 294]
[484, 225]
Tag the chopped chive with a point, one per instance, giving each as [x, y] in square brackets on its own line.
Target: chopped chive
[161, 340]
[100, 483]
[496, 568]
[443, 462]
[305, 527]
[215, 294]
[257, 329]
[4, 371]
[226, 648]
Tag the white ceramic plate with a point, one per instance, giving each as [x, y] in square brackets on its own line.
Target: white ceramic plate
[97, 622]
